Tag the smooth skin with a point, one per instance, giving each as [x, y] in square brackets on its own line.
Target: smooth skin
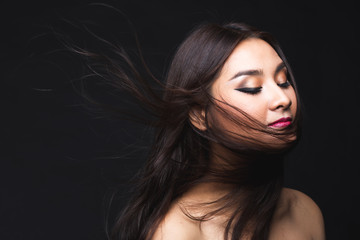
[296, 218]
[254, 80]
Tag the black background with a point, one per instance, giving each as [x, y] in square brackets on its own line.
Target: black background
[57, 168]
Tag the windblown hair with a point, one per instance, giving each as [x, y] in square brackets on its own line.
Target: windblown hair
[181, 153]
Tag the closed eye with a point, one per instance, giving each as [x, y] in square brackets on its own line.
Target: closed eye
[250, 90]
[284, 85]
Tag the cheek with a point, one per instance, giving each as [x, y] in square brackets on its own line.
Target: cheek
[293, 107]
[254, 106]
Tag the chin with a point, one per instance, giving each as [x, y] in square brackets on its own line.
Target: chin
[283, 143]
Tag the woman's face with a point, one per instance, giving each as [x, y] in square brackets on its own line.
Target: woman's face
[254, 79]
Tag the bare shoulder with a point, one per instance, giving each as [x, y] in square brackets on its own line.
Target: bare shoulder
[176, 226]
[303, 207]
[301, 215]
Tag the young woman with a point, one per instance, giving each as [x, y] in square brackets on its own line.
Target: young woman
[229, 112]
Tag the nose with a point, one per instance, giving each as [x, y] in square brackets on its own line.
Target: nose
[278, 99]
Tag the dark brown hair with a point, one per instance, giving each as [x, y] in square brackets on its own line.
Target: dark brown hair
[180, 155]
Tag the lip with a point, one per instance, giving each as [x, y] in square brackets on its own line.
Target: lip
[282, 122]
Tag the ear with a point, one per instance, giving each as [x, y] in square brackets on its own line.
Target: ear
[197, 118]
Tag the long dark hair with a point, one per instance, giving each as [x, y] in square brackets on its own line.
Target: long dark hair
[180, 154]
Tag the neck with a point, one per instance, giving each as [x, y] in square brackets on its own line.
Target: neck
[231, 173]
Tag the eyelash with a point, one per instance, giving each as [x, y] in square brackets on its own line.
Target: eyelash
[251, 91]
[256, 90]
[284, 85]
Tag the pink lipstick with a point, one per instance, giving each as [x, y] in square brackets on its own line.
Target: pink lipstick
[280, 123]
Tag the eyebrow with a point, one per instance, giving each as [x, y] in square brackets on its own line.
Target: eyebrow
[257, 72]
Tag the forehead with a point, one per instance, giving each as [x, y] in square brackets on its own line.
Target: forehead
[252, 53]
